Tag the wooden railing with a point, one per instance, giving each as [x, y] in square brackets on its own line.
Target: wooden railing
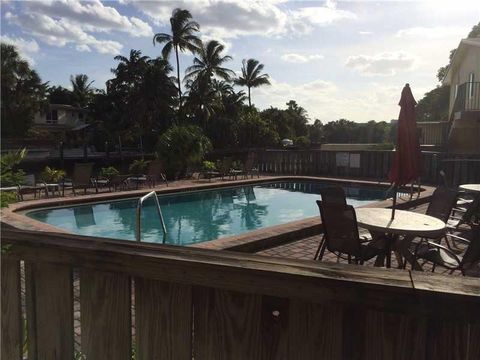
[366, 164]
[433, 133]
[186, 303]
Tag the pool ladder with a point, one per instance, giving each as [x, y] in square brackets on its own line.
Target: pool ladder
[138, 229]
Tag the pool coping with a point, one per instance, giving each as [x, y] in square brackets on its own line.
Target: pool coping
[251, 241]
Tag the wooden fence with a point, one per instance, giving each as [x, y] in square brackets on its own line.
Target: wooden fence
[366, 164]
[189, 303]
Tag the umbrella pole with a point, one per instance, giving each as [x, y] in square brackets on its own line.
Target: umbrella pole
[394, 201]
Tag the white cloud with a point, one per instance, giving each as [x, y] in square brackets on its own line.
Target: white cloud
[71, 22]
[62, 32]
[233, 18]
[299, 58]
[365, 32]
[92, 16]
[386, 63]
[327, 101]
[25, 47]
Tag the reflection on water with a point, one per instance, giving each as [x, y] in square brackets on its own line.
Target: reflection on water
[203, 215]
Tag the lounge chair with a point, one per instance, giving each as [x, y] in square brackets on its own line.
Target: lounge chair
[30, 186]
[442, 256]
[81, 178]
[341, 234]
[226, 168]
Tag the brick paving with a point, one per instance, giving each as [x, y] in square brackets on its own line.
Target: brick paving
[306, 248]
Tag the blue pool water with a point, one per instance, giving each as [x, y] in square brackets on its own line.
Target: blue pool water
[199, 216]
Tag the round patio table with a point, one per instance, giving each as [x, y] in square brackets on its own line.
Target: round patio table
[405, 223]
[470, 187]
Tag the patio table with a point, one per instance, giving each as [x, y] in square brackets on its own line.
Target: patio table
[405, 223]
[470, 187]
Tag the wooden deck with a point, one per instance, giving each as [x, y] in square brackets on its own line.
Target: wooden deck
[207, 304]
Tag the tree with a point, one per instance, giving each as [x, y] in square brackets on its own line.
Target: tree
[251, 76]
[22, 91]
[434, 105]
[82, 92]
[315, 132]
[253, 131]
[59, 95]
[129, 72]
[182, 39]
[182, 147]
[209, 63]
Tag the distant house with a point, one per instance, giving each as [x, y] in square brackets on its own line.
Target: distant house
[60, 120]
[463, 76]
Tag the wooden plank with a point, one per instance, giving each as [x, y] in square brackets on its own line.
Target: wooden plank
[447, 339]
[394, 336]
[315, 331]
[11, 309]
[226, 325]
[50, 311]
[105, 315]
[163, 320]
[274, 328]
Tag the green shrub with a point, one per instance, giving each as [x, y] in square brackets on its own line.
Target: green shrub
[109, 172]
[182, 147]
[208, 165]
[52, 175]
[302, 142]
[9, 176]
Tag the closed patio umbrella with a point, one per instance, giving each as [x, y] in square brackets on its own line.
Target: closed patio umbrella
[407, 161]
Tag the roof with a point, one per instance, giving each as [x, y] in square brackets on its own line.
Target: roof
[66, 107]
[458, 56]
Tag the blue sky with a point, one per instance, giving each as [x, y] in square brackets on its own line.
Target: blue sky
[336, 59]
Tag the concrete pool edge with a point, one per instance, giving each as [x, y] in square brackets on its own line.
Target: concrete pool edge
[248, 242]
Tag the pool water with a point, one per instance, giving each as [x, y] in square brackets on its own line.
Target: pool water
[197, 216]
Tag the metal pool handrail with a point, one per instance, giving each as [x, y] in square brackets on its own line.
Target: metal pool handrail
[138, 228]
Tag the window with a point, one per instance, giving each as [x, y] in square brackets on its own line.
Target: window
[471, 80]
[52, 117]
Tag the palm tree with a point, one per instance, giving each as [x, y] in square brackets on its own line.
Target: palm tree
[131, 69]
[208, 63]
[251, 76]
[183, 38]
[82, 91]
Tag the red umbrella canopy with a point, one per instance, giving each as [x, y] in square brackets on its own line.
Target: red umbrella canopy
[407, 162]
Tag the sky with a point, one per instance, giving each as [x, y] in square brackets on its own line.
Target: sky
[337, 59]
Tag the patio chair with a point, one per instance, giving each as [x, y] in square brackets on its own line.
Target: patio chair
[440, 255]
[341, 234]
[442, 203]
[81, 178]
[330, 195]
[469, 214]
[31, 186]
[114, 183]
[250, 167]
[156, 172]
[225, 167]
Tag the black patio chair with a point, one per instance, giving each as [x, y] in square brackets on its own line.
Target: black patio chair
[341, 234]
[81, 178]
[330, 195]
[443, 256]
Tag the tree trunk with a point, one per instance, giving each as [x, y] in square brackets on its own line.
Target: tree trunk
[179, 86]
[249, 99]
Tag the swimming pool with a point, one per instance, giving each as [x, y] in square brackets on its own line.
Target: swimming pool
[198, 216]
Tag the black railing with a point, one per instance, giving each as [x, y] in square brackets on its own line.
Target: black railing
[467, 97]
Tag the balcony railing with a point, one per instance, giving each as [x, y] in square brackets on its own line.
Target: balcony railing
[168, 302]
[467, 98]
